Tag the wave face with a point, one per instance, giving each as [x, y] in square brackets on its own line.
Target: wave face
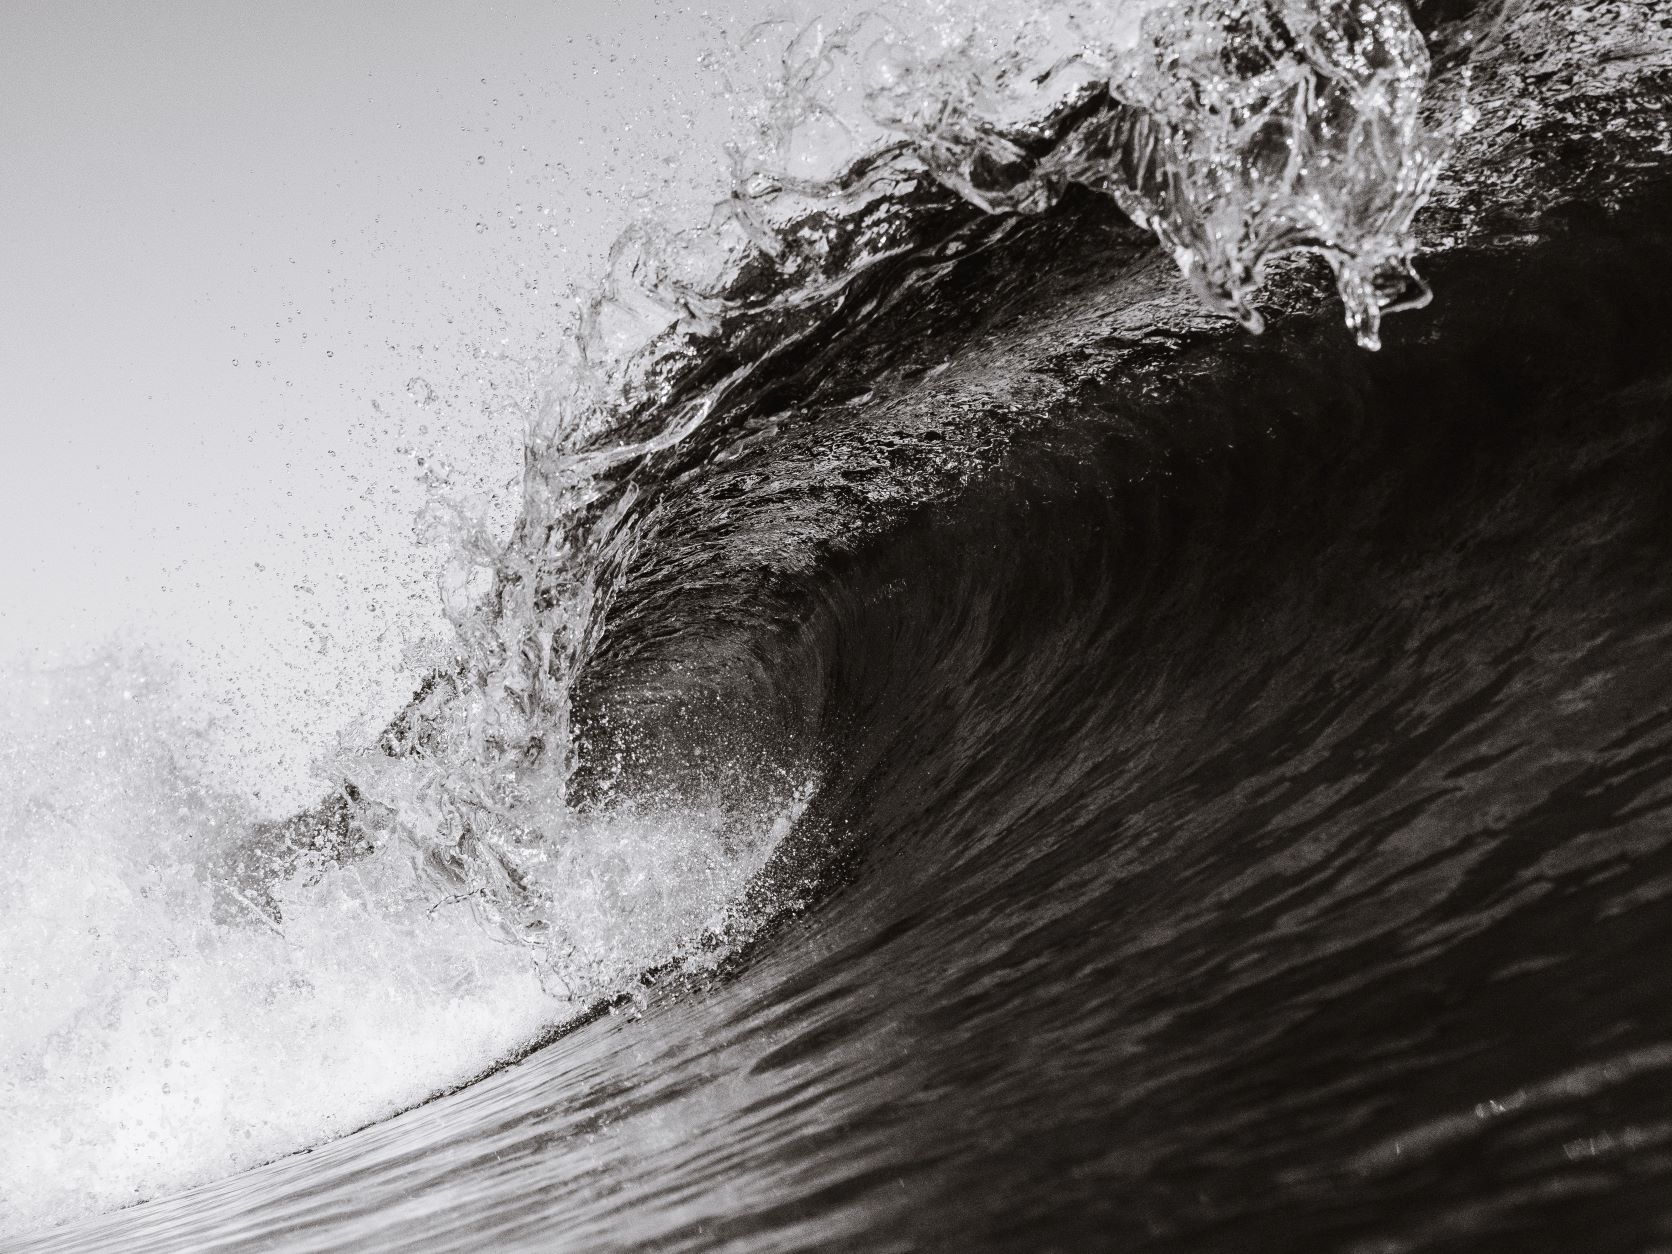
[1244, 823]
[970, 748]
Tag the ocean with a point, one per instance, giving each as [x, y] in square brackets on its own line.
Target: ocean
[1084, 667]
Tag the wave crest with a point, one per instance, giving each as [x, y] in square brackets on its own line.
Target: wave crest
[1235, 134]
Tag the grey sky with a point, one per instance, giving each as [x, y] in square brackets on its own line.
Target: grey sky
[227, 229]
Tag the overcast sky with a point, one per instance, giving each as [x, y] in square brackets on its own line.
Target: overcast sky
[228, 229]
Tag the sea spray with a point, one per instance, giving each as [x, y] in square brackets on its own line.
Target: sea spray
[182, 1001]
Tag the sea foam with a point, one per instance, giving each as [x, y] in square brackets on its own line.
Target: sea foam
[164, 1027]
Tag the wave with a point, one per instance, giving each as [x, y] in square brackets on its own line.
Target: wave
[1235, 135]
[887, 534]
[1243, 823]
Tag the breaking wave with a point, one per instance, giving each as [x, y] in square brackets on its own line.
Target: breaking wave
[911, 581]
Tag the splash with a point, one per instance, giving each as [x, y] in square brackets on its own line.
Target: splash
[1236, 132]
[177, 1010]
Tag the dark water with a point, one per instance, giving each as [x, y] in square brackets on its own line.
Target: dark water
[1245, 821]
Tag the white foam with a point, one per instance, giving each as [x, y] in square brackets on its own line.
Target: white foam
[157, 1034]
